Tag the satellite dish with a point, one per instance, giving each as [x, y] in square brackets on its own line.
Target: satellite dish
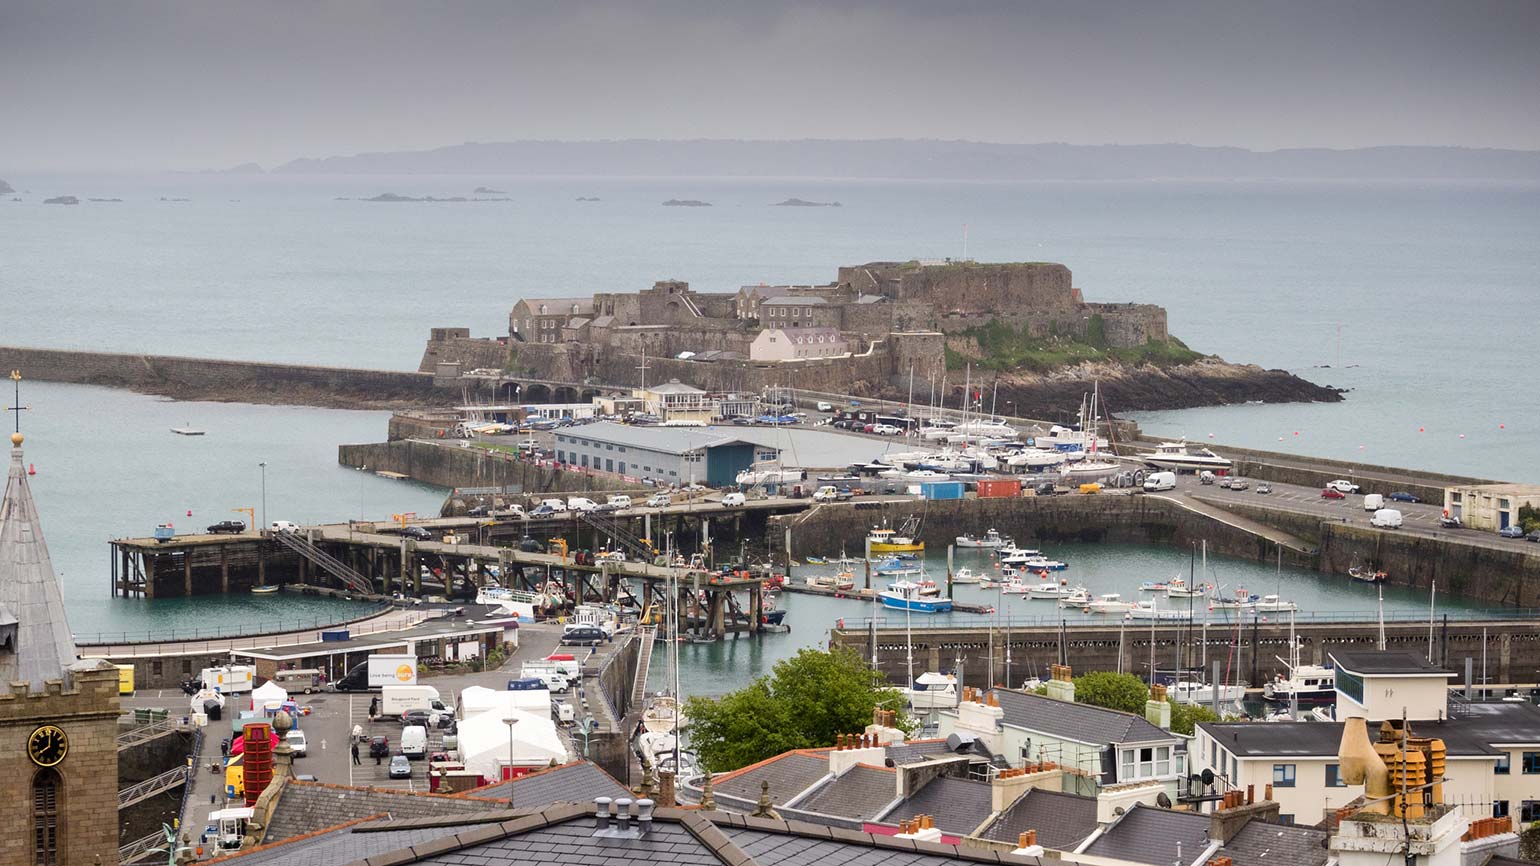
[1162, 800]
[1207, 776]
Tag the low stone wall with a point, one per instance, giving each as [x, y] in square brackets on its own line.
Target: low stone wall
[234, 381]
[448, 465]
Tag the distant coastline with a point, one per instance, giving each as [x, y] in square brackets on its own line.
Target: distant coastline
[933, 160]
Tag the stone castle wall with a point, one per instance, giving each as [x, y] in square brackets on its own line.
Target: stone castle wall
[968, 287]
[1126, 325]
[472, 353]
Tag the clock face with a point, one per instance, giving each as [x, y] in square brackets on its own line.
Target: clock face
[47, 746]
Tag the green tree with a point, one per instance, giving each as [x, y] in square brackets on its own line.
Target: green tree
[1185, 717]
[1124, 692]
[803, 703]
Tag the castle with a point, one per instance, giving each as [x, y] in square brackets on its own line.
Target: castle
[872, 323]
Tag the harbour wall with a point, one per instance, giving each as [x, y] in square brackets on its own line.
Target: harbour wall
[229, 381]
[1468, 568]
[449, 465]
[1249, 653]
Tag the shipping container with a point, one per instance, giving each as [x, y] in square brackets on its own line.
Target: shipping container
[993, 488]
[942, 489]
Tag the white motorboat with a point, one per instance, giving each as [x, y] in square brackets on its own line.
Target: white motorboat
[1043, 563]
[1078, 597]
[1304, 684]
[1150, 611]
[664, 715]
[1068, 439]
[933, 691]
[966, 575]
[1014, 586]
[1191, 692]
[769, 473]
[1049, 589]
[991, 539]
[1177, 456]
[1272, 603]
[1109, 602]
[1034, 459]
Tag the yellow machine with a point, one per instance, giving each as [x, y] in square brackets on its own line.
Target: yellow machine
[559, 547]
[235, 777]
[1090, 488]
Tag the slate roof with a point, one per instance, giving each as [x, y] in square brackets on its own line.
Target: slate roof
[789, 775]
[349, 842]
[29, 591]
[1081, 723]
[1468, 735]
[305, 807]
[862, 793]
[559, 306]
[797, 300]
[1389, 662]
[958, 805]
[1147, 835]
[778, 849]
[915, 751]
[1262, 844]
[1062, 821]
[578, 782]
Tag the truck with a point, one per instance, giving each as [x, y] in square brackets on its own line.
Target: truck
[228, 679]
[1160, 481]
[380, 669]
[395, 700]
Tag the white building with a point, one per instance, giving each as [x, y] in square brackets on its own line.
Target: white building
[797, 344]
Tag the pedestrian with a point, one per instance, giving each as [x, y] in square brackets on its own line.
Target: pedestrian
[376, 757]
[356, 761]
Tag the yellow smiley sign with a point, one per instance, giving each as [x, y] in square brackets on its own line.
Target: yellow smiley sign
[404, 673]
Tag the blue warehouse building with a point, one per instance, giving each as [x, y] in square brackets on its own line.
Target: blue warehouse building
[667, 455]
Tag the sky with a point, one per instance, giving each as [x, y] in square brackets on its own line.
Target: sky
[147, 85]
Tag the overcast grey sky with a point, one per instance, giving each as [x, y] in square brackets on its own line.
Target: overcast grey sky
[119, 84]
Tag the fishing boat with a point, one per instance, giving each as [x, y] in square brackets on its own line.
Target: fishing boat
[902, 540]
[1014, 586]
[992, 539]
[1011, 551]
[1239, 600]
[966, 575]
[265, 589]
[1155, 586]
[1178, 588]
[664, 715]
[905, 595]
[1109, 602]
[928, 587]
[1043, 563]
[933, 691]
[1272, 603]
[1148, 610]
[1367, 575]
[1078, 597]
[839, 582]
[1050, 589]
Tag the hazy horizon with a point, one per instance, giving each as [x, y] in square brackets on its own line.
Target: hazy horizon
[159, 85]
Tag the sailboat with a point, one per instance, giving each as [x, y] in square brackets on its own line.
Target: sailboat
[1090, 467]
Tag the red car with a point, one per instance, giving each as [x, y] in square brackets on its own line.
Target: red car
[1329, 493]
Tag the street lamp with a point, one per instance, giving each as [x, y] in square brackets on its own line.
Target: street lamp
[263, 467]
[510, 722]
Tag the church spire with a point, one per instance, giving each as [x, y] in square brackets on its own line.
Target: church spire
[35, 640]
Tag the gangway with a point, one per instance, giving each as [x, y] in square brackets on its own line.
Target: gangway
[141, 791]
[325, 561]
[643, 664]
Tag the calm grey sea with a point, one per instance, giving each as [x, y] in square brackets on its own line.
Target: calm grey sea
[1434, 289]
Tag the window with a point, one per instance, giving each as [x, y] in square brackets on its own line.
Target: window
[1530, 811]
[1283, 775]
[1334, 777]
[1531, 763]
[1285, 818]
[46, 795]
[622, 467]
[1503, 765]
[585, 460]
[1145, 763]
[561, 457]
[609, 465]
[1499, 808]
[155, 667]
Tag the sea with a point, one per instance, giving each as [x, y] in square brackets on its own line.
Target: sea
[1418, 298]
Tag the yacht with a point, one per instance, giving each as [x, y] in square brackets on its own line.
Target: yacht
[1273, 603]
[1068, 439]
[1050, 589]
[663, 715]
[769, 473]
[1034, 458]
[906, 595]
[1178, 456]
[1042, 563]
[1109, 602]
[1190, 692]
[1305, 684]
[992, 539]
[1078, 597]
[1088, 470]
[933, 691]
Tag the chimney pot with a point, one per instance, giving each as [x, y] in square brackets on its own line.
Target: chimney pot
[644, 817]
[1251, 794]
[623, 813]
[602, 812]
[1267, 792]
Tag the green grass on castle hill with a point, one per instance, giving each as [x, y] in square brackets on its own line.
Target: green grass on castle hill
[1005, 348]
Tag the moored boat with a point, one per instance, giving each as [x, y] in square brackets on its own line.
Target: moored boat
[1367, 575]
[1109, 602]
[991, 539]
[884, 540]
[905, 595]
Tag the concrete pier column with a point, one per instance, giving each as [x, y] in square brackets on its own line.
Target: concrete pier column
[717, 613]
[224, 568]
[756, 601]
[262, 564]
[187, 572]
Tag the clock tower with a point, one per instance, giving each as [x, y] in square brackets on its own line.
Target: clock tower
[58, 714]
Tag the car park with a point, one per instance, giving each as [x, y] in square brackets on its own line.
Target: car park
[400, 767]
[1511, 532]
[1402, 496]
[1332, 493]
[227, 527]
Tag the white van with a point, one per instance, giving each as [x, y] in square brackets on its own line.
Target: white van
[283, 526]
[557, 505]
[414, 742]
[1386, 518]
[578, 503]
[824, 406]
[733, 500]
[618, 501]
[1373, 502]
[1160, 481]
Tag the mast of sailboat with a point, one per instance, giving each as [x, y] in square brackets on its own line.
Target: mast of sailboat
[1432, 608]
[911, 391]
[909, 640]
[1293, 687]
[673, 646]
[1380, 644]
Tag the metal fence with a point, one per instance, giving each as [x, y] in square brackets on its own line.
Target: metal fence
[1074, 619]
[270, 628]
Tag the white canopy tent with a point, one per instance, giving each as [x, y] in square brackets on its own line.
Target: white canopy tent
[270, 694]
[475, 700]
[485, 745]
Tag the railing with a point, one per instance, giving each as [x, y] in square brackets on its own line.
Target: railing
[274, 629]
[328, 563]
[145, 733]
[618, 534]
[141, 791]
[643, 665]
[142, 847]
[1075, 619]
[193, 760]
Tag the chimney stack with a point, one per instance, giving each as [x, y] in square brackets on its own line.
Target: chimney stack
[667, 796]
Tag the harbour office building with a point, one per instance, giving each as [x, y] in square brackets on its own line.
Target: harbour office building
[666, 455]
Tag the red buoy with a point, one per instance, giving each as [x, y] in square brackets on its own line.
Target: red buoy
[31, 468]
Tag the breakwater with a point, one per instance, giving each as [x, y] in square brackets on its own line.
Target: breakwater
[1463, 565]
[447, 464]
[213, 379]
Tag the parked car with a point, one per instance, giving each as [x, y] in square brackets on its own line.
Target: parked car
[734, 500]
[1332, 493]
[416, 533]
[477, 511]
[379, 747]
[227, 526]
[1225, 482]
[823, 406]
[515, 512]
[531, 545]
[283, 526]
[1264, 487]
[1239, 484]
[425, 718]
[400, 767]
[1206, 477]
[743, 421]
[658, 500]
[1402, 496]
[1342, 486]
[1450, 522]
[296, 740]
[1533, 536]
[543, 510]
[886, 429]
[581, 503]
[583, 635]
[1511, 532]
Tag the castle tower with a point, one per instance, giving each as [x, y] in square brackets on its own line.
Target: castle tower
[58, 715]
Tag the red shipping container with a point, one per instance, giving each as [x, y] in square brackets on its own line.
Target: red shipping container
[999, 487]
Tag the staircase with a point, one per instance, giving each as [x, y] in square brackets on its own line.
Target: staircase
[636, 547]
[643, 663]
[325, 561]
